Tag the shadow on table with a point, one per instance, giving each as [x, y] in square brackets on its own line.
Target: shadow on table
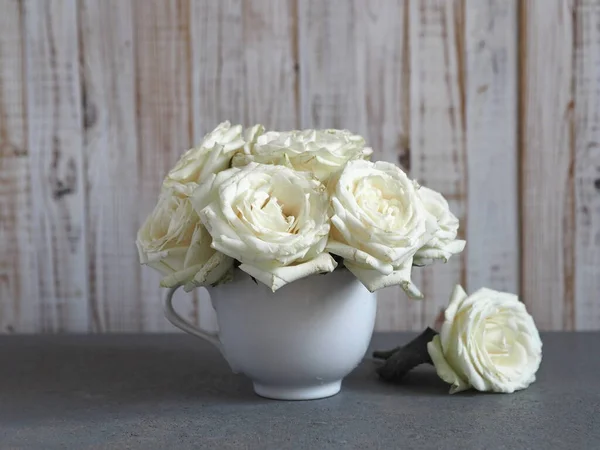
[63, 375]
[422, 381]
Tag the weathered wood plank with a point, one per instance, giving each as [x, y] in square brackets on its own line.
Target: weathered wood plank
[217, 64]
[437, 134]
[330, 89]
[587, 165]
[492, 251]
[354, 76]
[244, 64]
[57, 168]
[244, 70]
[217, 88]
[383, 72]
[18, 296]
[165, 124]
[270, 77]
[547, 206]
[110, 147]
[384, 82]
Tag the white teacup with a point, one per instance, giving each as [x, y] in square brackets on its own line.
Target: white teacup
[297, 343]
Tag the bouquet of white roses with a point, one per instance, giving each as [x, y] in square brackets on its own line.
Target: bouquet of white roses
[283, 205]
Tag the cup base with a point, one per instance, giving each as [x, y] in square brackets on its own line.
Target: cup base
[298, 392]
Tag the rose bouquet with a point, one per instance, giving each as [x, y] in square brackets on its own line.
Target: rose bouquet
[281, 206]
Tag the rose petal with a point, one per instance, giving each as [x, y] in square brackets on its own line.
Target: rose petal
[443, 369]
[374, 280]
[211, 272]
[358, 257]
[280, 276]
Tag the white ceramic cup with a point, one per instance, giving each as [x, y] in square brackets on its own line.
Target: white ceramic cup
[297, 343]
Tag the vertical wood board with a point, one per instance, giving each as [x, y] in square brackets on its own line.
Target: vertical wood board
[546, 177]
[110, 147]
[354, 76]
[18, 296]
[492, 251]
[587, 165]
[437, 134]
[57, 165]
[243, 70]
[165, 126]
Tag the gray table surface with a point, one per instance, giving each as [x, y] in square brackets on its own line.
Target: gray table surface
[175, 392]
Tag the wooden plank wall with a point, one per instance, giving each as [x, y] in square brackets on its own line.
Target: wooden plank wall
[548, 160]
[496, 103]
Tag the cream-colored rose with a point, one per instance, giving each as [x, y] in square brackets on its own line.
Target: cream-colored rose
[488, 341]
[270, 218]
[320, 152]
[173, 241]
[212, 156]
[379, 223]
[444, 243]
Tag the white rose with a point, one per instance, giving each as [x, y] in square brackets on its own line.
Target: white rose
[270, 218]
[173, 241]
[488, 341]
[320, 152]
[444, 243]
[379, 223]
[212, 156]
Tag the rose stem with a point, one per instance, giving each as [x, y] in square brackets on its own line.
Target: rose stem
[405, 358]
[385, 354]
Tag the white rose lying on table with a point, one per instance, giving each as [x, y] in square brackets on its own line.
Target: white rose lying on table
[272, 219]
[322, 153]
[379, 223]
[487, 341]
[173, 241]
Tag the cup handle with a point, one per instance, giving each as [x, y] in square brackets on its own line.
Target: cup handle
[173, 317]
